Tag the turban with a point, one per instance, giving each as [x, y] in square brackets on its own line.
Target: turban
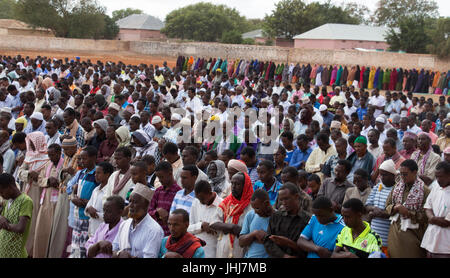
[361, 139]
[176, 117]
[38, 116]
[22, 120]
[238, 165]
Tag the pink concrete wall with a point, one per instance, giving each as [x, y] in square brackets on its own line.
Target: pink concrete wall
[284, 43]
[137, 35]
[339, 44]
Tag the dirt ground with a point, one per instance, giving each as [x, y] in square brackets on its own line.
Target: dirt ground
[125, 57]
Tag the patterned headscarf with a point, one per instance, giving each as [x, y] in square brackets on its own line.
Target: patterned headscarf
[415, 196]
[218, 182]
[38, 157]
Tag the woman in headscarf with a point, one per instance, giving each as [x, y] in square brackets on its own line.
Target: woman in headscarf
[123, 136]
[230, 217]
[216, 172]
[100, 133]
[143, 144]
[32, 174]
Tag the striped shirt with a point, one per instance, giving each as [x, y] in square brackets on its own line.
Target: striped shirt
[183, 201]
[377, 198]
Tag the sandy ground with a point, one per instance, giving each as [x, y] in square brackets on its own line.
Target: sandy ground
[125, 57]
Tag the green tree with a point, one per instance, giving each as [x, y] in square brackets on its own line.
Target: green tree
[203, 22]
[111, 28]
[66, 18]
[119, 14]
[389, 12]
[411, 35]
[440, 38]
[293, 17]
[232, 36]
[7, 9]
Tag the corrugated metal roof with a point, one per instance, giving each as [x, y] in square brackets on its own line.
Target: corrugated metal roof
[253, 34]
[333, 31]
[16, 24]
[141, 22]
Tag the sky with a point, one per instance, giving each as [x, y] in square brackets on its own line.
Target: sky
[247, 8]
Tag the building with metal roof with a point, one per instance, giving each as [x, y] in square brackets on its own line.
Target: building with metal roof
[138, 27]
[343, 36]
[19, 28]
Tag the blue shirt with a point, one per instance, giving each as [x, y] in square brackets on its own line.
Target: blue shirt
[328, 118]
[323, 235]
[273, 191]
[181, 201]
[87, 183]
[361, 112]
[199, 253]
[289, 155]
[299, 156]
[254, 222]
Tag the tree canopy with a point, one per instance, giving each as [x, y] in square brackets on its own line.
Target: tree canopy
[293, 17]
[7, 9]
[68, 18]
[411, 36]
[203, 22]
[119, 14]
[389, 12]
[440, 38]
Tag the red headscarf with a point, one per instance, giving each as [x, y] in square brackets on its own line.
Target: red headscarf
[233, 207]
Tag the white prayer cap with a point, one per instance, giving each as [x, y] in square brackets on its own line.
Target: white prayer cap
[388, 166]
[6, 110]
[306, 100]
[38, 116]
[185, 121]
[176, 117]
[380, 120]
[202, 90]
[156, 120]
[114, 106]
[143, 191]
[335, 124]
[323, 107]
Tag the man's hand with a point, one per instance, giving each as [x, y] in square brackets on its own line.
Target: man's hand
[163, 214]
[124, 255]
[77, 201]
[439, 221]
[376, 212]
[3, 222]
[53, 182]
[323, 252]
[173, 255]
[236, 230]
[279, 240]
[259, 235]
[33, 175]
[402, 210]
[207, 228]
[69, 170]
[348, 254]
[105, 247]
[92, 212]
[286, 256]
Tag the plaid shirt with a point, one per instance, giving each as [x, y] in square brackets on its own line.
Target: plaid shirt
[163, 199]
[79, 136]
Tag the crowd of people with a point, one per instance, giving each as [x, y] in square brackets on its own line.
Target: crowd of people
[108, 160]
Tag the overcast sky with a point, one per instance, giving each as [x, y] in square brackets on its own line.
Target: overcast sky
[248, 8]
